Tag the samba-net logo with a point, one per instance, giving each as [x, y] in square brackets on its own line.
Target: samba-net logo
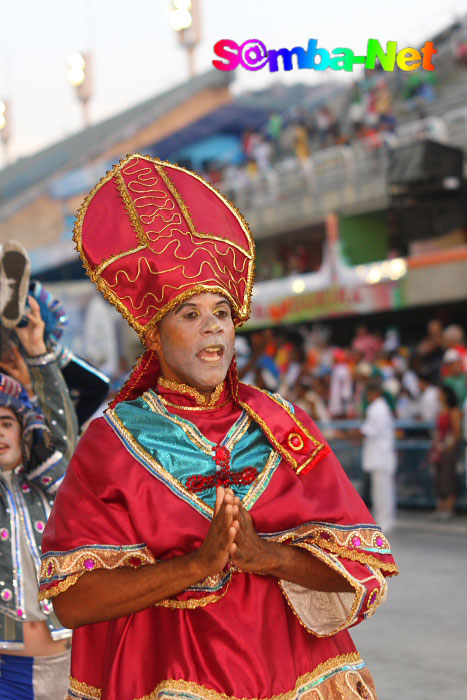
[253, 55]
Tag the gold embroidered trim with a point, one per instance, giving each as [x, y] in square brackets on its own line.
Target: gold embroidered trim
[191, 431]
[105, 263]
[358, 556]
[87, 692]
[191, 391]
[189, 219]
[190, 689]
[60, 587]
[313, 530]
[188, 428]
[130, 208]
[145, 456]
[193, 603]
[288, 457]
[192, 408]
[345, 537]
[258, 486]
[241, 312]
[249, 498]
[102, 558]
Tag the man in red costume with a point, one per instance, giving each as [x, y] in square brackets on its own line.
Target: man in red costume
[205, 541]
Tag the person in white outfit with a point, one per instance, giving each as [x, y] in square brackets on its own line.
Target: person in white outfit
[379, 456]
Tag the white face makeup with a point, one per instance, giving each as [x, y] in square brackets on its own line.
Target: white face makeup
[10, 440]
[195, 342]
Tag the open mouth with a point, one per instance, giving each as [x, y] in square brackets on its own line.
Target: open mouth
[3, 448]
[213, 353]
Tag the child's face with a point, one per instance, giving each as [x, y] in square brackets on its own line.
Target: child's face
[10, 439]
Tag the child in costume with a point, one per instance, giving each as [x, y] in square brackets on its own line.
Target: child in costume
[37, 437]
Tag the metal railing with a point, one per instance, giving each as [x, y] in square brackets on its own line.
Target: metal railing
[415, 481]
[355, 173]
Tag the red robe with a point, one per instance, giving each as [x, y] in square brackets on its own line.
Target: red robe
[235, 634]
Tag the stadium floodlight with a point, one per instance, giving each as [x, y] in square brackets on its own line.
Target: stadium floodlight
[79, 76]
[180, 16]
[184, 19]
[76, 66]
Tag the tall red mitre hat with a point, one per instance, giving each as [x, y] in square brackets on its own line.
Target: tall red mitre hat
[152, 234]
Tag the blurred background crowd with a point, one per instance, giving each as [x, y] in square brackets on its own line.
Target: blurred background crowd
[355, 191]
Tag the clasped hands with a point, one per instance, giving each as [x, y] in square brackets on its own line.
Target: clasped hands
[232, 537]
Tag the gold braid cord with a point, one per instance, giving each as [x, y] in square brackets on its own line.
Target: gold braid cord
[167, 260]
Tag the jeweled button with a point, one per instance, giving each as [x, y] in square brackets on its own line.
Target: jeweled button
[25, 488]
[295, 441]
[46, 479]
[50, 568]
[356, 541]
[6, 594]
[379, 541]
[89, 564]
[39, 526]
[4, 534]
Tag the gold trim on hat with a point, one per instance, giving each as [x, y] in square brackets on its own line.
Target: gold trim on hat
[241, 312]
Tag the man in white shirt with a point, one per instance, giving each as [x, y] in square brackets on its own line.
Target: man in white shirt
[428, 402]
[379, 456]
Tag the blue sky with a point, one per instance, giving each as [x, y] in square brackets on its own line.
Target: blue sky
[136, 54]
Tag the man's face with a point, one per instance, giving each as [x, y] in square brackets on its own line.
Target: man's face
[10, 440]
[195, 342]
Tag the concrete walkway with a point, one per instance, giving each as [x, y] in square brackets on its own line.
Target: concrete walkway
[416, 644]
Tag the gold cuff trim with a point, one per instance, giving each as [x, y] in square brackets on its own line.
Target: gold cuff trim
[359, 588]
[61, 587]
[392, 569]
[90, 558]
[193, 603]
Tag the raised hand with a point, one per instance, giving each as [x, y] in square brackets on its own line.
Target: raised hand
[32, 335]
[213, 554]
[13, 364]
[248, 551]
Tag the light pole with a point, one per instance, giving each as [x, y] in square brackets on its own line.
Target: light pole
[185, 19]
[80, 77]
[4, 128]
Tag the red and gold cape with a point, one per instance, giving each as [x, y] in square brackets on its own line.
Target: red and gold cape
[235, 635]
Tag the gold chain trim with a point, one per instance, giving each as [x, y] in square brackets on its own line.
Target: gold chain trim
[191, 391]
[192, 408]
[60, 587]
